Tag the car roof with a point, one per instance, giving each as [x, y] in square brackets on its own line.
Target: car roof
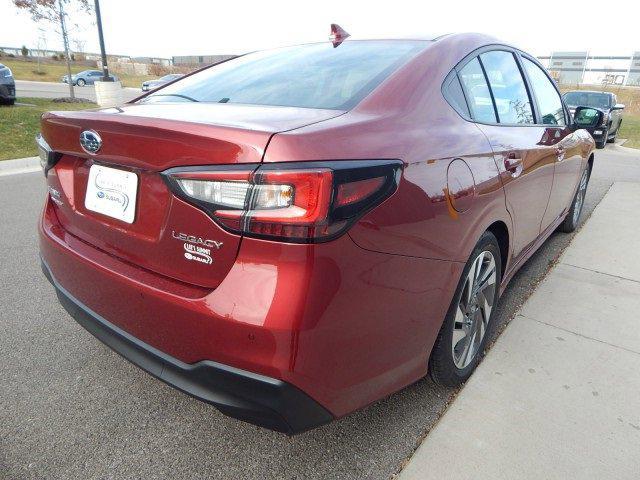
[419, 37]
[422, 37]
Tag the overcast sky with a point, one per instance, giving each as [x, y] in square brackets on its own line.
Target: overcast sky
[165, 28]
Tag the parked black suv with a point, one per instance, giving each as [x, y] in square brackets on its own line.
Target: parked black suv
[608, 130]
[7, 86]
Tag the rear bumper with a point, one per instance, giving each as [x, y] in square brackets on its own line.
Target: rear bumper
[341, 324]
[254, 398]
[599, 134]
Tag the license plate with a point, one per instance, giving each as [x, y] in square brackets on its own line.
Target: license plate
[112, 192]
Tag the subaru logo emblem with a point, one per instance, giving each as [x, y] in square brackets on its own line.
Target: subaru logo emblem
[90, 141]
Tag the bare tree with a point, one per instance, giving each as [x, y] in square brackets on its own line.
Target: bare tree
[79, 45]
[42, 41]
[54, 11]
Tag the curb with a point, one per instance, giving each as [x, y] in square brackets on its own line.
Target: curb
[19, 165]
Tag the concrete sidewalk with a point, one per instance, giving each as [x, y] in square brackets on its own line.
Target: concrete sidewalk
[20, 165]
[558, 395]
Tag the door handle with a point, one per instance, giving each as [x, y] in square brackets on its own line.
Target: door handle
[560, 151]
[513, 164]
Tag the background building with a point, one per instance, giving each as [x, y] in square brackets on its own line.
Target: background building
[568, 67]
[634, 70]
[576, 68]
[200, 59]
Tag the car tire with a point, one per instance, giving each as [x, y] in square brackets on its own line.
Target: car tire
[81, 82]
[458, 349]
[570, 222]
[615, 135]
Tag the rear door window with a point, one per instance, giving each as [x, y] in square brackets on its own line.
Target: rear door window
[508, 87]
[548, 98]
[477, 91]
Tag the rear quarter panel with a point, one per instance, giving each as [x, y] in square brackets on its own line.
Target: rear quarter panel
[431, 215]
[419, 239]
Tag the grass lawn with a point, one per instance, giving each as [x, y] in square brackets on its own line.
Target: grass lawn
[51, 71]
[631, 130]
[20, 124]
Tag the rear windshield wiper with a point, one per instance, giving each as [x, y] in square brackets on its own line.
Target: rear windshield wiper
[173, 95]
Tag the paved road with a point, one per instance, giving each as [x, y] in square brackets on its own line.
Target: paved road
[71, 408]
[25, 88]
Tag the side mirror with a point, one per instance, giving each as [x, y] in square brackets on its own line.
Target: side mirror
[587, 117]
[618, 106]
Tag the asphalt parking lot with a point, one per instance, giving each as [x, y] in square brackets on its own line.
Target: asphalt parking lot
[71, 408]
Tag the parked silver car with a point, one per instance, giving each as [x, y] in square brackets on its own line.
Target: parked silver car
[87, 77]
[152, 84]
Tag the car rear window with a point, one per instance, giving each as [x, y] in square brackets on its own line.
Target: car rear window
[313, 76]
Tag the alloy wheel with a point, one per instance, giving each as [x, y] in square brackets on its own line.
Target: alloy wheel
[582, 189]
[474, 309]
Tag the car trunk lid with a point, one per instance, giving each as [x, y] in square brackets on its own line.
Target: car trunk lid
[167, 235]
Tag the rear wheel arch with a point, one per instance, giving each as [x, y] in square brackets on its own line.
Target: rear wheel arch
[443, 366]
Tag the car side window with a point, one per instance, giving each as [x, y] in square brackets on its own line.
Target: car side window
[477, 92]
[549, 103]
[508, 87]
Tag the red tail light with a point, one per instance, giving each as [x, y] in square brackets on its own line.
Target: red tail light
[296, 202]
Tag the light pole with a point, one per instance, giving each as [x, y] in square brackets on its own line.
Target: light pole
[105, 68]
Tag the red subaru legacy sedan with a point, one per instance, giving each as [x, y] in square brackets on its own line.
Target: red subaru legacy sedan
[295, 233]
